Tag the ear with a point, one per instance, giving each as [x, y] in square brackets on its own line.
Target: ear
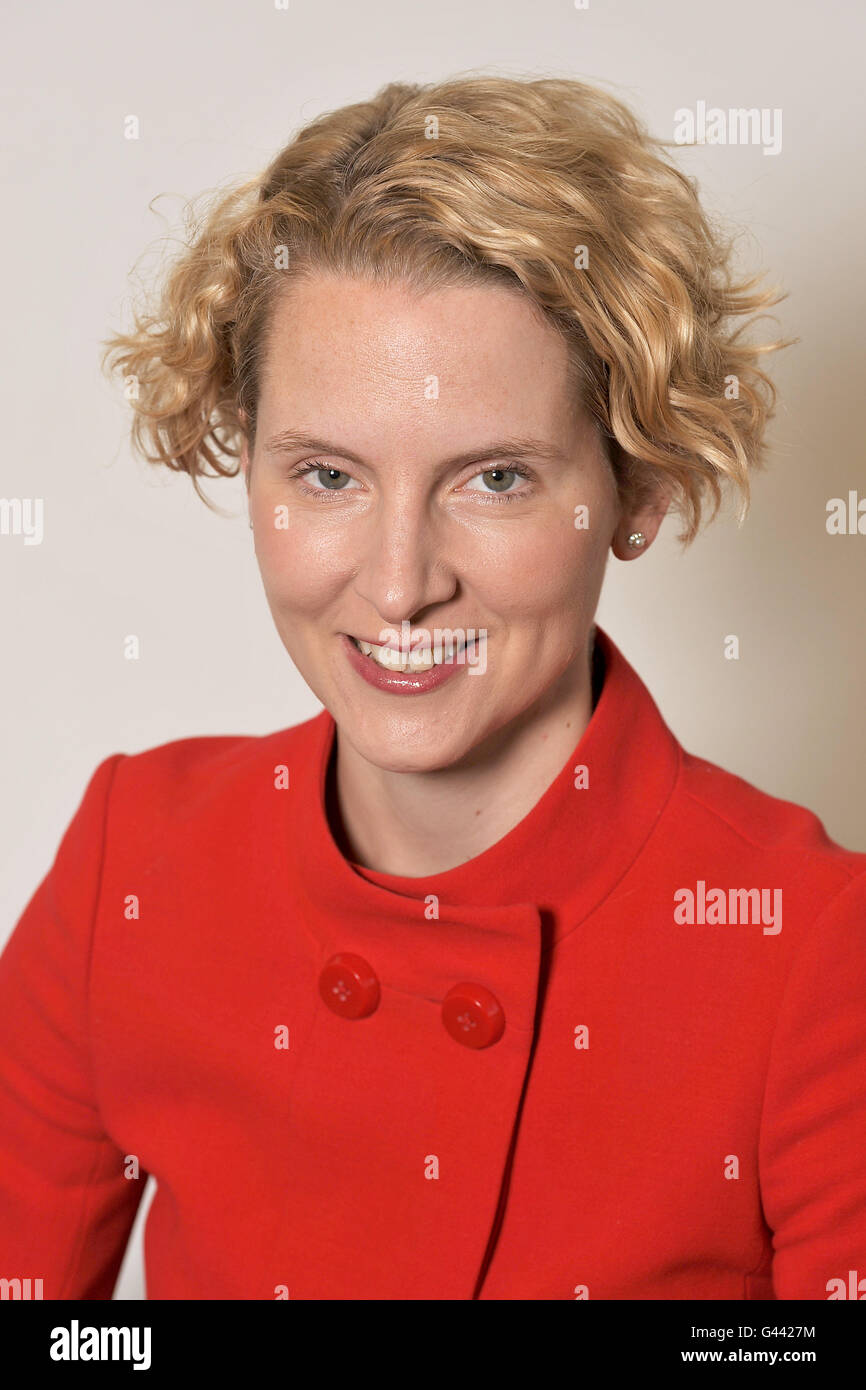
[245, 459]
[647, 519]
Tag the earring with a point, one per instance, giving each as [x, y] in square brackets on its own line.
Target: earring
[637, 539]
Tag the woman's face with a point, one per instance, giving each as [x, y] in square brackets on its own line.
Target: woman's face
[403, 503]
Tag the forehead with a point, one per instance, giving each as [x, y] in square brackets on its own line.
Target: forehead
[366, 353]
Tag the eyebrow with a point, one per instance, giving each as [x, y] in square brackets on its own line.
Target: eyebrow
[288, 441]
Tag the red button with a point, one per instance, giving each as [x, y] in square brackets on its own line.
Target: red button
[473, 1016]
[349, 987]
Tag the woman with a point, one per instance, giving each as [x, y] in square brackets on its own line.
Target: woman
[477, 984]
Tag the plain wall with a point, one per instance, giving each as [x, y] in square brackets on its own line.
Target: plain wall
[218, 88]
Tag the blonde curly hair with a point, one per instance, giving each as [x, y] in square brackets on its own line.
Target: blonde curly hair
[463, 181]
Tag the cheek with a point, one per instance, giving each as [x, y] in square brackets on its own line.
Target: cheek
[539, 571]
[304, 565]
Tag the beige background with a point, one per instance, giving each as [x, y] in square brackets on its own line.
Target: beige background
[218, 87]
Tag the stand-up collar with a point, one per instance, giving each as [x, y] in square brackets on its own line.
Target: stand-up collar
[564, 857]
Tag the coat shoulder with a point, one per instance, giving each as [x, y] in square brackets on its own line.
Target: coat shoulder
[770, 825]
[199, 780]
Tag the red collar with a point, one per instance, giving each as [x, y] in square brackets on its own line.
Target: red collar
[563, 859]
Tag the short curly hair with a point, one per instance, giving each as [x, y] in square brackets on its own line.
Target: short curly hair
[546, 184]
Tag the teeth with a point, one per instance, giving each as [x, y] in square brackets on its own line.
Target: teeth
[420, 659]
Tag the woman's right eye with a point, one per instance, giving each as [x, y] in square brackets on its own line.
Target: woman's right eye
[326, 479]
[332, 477]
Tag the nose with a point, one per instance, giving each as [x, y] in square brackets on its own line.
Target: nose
[405, 565]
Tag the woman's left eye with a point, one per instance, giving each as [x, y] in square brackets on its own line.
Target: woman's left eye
[495, 480]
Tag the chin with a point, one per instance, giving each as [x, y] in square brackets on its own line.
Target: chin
[396, 748]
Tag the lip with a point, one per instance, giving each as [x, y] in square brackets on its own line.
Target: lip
[398, 682]
[390, 647]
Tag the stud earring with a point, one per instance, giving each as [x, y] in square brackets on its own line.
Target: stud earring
[637, 539]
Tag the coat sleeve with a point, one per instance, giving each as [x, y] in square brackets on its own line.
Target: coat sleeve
[813, 1133]
[66, 1208]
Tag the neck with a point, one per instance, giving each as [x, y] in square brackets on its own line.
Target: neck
[417, 824]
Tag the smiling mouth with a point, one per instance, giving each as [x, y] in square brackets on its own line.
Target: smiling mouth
[421, 658]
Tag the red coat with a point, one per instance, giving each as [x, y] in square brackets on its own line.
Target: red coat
[663, 1108]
